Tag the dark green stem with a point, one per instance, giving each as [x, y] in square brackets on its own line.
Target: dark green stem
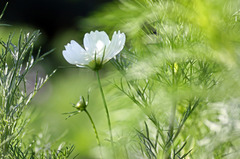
[95, 130]
[105, 105]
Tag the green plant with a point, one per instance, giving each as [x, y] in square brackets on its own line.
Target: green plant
[16, 60]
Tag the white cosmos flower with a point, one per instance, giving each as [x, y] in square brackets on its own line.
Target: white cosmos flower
[98, 49]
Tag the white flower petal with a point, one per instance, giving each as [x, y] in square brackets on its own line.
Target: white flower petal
[116, 45]
[95, 42]
[68, 57]
[74, 53]
[76, 46]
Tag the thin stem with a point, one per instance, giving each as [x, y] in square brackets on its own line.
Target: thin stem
[105, 105]
[173, 116]
[96, 133]
[170, 132]
[171, 126]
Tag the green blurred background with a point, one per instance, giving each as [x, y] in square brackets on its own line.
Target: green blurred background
[201, 29]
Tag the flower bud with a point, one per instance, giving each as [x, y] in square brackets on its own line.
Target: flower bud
[175, 67]
[81, 104]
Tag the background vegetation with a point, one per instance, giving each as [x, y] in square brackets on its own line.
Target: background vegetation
[172, 93]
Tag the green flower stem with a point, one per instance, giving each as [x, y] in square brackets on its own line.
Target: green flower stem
[95, 130]
[105, 105]
[172, 120]
[170, 140]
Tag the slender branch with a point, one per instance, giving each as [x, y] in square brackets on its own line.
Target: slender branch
[95, 130]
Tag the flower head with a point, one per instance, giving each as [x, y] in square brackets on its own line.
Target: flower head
[81, 104]
[98, 49]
